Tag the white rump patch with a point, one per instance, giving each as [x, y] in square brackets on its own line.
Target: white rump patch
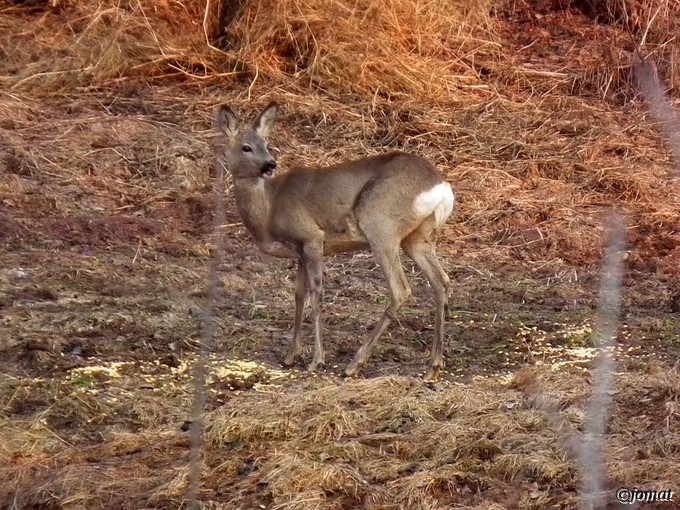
[437, 201]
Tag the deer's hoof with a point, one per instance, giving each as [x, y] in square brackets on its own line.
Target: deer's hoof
[315, 365]
[432, 374]
[289, 361]
[352, 370]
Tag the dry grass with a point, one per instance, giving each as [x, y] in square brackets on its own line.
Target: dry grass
[83, 45]
[421, 50]
[390, 442]
[601, 69]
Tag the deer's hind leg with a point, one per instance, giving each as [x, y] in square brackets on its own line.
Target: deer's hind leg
[420, 247]
[385, 247]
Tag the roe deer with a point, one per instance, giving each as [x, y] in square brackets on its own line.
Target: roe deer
[378, 203]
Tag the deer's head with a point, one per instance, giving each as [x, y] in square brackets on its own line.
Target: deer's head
[247, 153]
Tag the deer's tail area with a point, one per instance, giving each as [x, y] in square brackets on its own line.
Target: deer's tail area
[437, 201]
[445, 206]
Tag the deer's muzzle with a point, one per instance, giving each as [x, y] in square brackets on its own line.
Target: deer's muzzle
[267, 169]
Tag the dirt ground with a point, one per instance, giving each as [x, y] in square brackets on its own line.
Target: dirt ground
[106, 236]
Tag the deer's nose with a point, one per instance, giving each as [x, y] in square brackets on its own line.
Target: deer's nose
[268, 168]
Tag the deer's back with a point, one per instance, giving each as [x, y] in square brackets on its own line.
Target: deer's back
[328, 197]
[345, 181]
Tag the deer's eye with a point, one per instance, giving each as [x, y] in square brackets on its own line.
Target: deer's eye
[247, 148]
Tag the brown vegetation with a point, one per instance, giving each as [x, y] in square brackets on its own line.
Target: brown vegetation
[106, 203]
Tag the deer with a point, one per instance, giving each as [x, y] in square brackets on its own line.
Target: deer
[378, 203]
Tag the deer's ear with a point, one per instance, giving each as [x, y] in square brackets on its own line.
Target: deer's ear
[227, 121]
[265, 120]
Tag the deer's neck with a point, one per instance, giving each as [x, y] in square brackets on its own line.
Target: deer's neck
[254, 203]
[253, 200]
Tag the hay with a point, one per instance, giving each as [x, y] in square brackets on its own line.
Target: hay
[421, 50]
[598, 57]
[451, 443]
[100, 43]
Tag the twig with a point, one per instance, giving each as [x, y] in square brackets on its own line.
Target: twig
[659, 104]
[592, 444]
[207, 332]
[649, 24]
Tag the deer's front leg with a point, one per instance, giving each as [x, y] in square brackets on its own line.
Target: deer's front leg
[300, 295]
[312, 256]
